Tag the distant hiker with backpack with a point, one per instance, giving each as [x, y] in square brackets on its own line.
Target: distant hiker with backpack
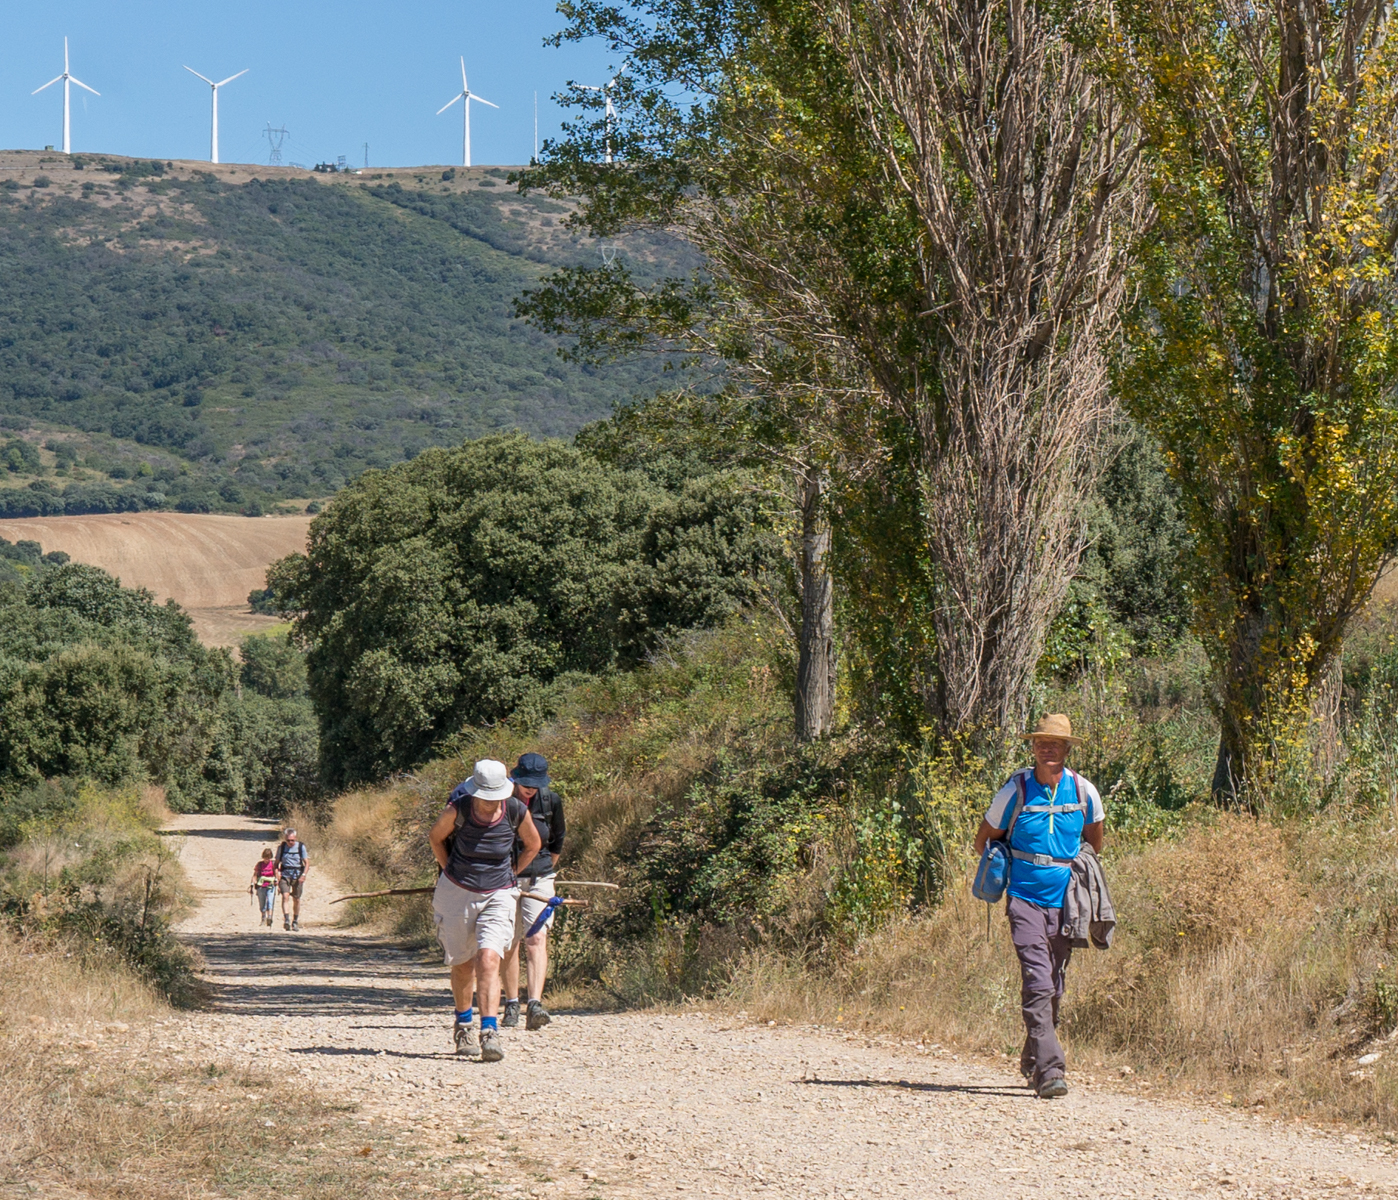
[1048, 813]
[476, 896]
[264, 882]
[293, 865]
[531, 780]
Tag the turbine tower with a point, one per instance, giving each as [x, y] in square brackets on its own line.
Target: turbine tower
[610, 118]
[213, 136]
[465, 95]
[66, 79]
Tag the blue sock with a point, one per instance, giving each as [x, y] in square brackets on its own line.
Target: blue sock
[464, 1018]
[488, 1023]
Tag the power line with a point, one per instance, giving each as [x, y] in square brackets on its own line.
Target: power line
[275, 138]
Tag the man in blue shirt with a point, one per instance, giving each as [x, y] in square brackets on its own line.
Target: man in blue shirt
[1049, 812]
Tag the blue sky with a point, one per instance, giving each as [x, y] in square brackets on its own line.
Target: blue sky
[336, 75]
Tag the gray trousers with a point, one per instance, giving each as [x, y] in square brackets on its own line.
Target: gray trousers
[1043, 963]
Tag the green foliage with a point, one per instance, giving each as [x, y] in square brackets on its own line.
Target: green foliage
[272, 667]
[445, 591]
[100, 682]
[1264, 348]
[20, 457]
[319, 329]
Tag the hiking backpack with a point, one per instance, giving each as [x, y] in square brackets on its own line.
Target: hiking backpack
[993, 872]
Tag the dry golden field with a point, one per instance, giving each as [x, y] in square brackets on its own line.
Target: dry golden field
[206, 563]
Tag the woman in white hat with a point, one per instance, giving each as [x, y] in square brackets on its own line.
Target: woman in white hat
[477, 892]
[1049, 812]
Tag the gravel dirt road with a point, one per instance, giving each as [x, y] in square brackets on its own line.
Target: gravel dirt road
[661, 1104]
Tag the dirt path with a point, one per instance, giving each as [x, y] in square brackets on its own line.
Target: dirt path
[644, 1104]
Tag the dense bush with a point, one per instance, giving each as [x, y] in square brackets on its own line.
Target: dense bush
[100, 682]
[444, 592]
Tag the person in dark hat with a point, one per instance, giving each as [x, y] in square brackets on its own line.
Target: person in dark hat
[532, 787]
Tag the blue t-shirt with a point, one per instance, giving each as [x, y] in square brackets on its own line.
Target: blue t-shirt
[1056, 834]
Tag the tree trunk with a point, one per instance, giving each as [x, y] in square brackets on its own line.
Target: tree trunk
[815, 670]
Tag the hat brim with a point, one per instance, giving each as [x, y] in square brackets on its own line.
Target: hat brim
[1071, 739]
[503, 792]
[534, 781]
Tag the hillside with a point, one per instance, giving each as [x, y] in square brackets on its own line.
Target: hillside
[206, 563]
[179, 336]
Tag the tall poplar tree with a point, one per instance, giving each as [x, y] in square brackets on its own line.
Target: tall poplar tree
[1264, 350]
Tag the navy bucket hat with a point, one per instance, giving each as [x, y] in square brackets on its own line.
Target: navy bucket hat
[532, 770]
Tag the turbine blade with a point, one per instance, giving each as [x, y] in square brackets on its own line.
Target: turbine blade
[205, 78]
[479, 100]
[81, 84]
[51, 82]
[449, 103]
[464, 86]
[231, 78]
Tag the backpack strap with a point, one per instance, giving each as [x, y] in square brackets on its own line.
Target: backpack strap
[1053, 807]
[1018, 806]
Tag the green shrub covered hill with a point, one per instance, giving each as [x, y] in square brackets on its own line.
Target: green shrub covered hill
[172, 338]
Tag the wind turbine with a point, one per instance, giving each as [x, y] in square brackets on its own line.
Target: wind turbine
[213, 137]
[610, 119]
[67, 79]
[465, 95]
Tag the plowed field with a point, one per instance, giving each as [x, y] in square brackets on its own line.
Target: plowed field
[208, 564]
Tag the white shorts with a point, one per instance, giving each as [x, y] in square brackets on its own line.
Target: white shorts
[529, 910]
[468, 921]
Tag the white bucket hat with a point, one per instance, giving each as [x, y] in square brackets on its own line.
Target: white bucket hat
[490, 781]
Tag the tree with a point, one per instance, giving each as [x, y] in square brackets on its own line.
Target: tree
[446, 591]
[916, 213]
[1263, 350]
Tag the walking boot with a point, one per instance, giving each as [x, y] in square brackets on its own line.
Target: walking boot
[468, 1045]
[1053, 1089]
[286, 923]
[511, 1016]
[538, 1015]
[490, 1046]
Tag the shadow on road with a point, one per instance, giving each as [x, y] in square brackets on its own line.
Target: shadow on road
[287, 974]
[965, 1089]
[235, 835]
[367, 1052]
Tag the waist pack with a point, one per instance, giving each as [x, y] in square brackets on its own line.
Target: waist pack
[993, 873]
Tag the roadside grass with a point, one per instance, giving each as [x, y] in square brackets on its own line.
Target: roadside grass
[1256, 958]
[88, 871]
[87, 1117]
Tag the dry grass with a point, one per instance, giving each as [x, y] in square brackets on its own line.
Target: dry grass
[1250, 963]
[86, 1118]
[207, 563]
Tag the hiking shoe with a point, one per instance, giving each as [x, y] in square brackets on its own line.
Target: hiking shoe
[538, 1015]
[1053, 1089]
[490, 1046]
[511, 1016]
[468, 1045]
[296, 926]
[286, 923]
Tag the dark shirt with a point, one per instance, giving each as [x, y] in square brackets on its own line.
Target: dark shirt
[482, 856]
[546, 809]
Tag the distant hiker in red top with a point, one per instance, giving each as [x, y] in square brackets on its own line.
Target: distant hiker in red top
[264, 881]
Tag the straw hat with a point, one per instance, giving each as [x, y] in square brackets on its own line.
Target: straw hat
[1055, 725]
